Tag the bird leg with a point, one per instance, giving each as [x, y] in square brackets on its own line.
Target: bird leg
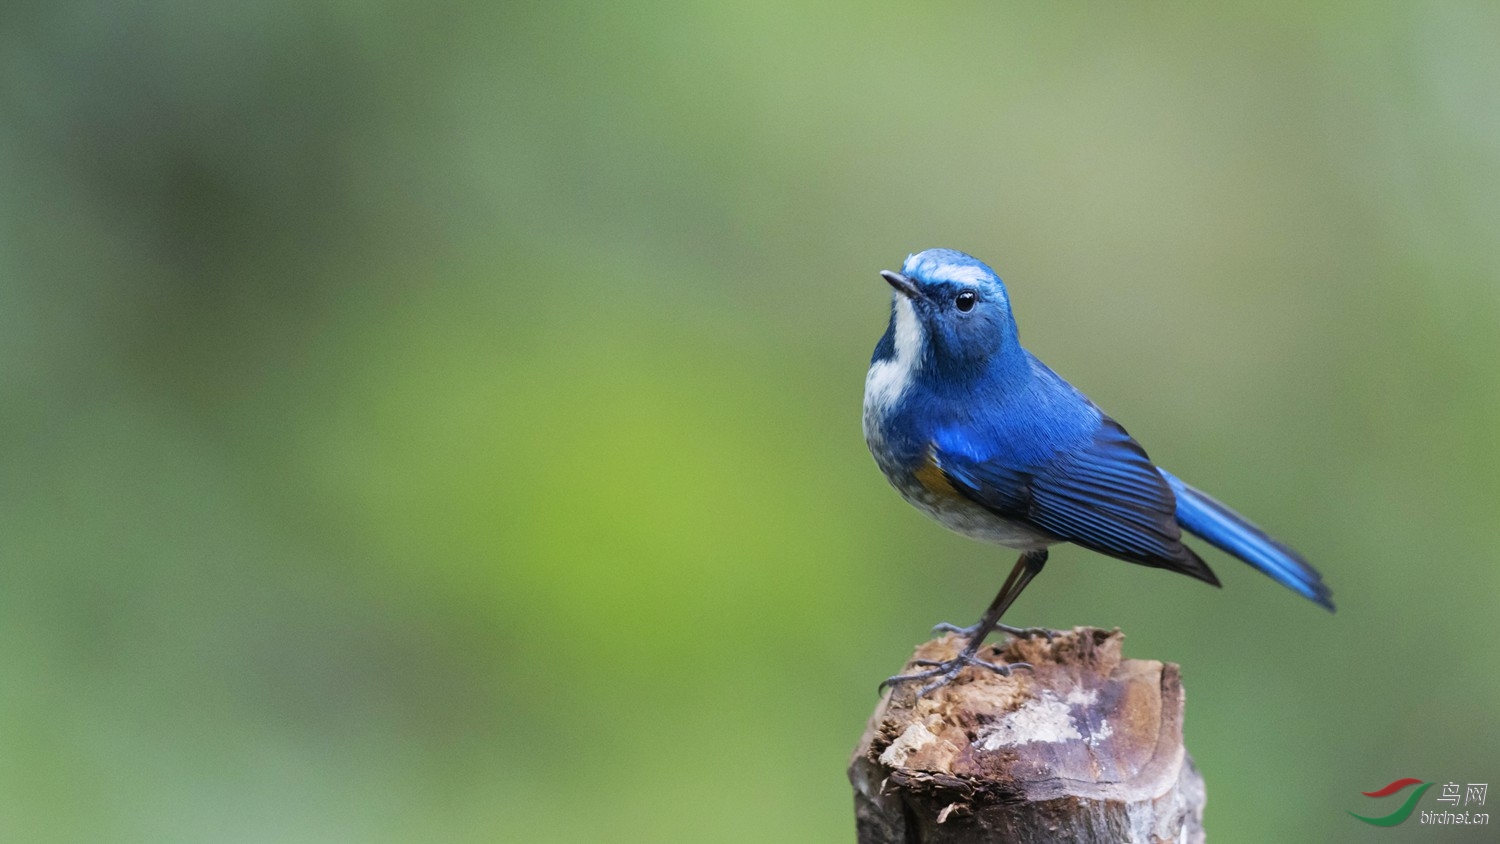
[943, 672]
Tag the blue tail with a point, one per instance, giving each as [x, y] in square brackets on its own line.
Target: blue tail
[1232, 533]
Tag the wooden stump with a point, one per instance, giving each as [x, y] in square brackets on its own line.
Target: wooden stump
[1087, 748]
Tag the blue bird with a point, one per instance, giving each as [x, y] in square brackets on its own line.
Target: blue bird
[977, 433]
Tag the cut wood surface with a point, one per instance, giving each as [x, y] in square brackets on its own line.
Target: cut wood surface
[1086, 747]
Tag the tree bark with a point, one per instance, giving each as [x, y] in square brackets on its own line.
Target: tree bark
[1087, 747]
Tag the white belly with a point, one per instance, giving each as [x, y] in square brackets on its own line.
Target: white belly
[971, 520]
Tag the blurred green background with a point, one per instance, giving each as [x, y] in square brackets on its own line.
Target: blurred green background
[441, 422]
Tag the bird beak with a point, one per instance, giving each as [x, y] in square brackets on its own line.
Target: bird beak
[905, 286]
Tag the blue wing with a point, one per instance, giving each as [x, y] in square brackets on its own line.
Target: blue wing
[1105, 495]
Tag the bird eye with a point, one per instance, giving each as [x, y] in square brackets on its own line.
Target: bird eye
[965, 301]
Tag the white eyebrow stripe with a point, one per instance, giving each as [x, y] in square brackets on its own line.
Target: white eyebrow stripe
[959, 274]
[934, 270]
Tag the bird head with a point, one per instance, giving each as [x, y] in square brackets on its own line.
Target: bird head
[950, 313]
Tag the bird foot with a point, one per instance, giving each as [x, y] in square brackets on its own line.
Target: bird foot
[1027, 632]
[1018, 632]
[943, 672]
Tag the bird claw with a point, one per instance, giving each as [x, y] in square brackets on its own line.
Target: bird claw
[1027, 632]
[966, 632]
[1018, 632]
[947, 670]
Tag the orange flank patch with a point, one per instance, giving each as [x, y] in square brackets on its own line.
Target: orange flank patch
[930, 476]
